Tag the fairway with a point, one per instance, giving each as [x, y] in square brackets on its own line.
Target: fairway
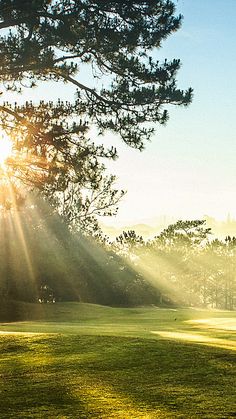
[117, 209]
[89, 361]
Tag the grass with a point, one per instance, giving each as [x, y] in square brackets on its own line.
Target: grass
[86, 361]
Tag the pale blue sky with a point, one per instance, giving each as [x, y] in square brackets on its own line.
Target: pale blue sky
[189, 168]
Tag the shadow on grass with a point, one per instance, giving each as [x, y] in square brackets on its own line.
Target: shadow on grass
[30, 385]
[72, 376]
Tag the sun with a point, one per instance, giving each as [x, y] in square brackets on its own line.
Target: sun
[5, 148]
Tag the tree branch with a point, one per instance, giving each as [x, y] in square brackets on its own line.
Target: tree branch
[19, 118]
[81, 86]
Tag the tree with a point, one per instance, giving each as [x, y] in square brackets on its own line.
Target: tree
[128, 244]
[170, 260]
[50, 41]
[184, 234]
[80, 207]
[222, 287]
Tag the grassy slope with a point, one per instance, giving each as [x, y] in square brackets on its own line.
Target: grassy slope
[101, 362]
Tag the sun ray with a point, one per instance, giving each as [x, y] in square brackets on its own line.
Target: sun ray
[20, 232]
[5, 148]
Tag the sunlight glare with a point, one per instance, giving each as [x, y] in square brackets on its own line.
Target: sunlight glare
[197, 338]
[5, 148]
[225, 323]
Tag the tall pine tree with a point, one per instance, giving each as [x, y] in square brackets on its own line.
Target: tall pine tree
[50, 41]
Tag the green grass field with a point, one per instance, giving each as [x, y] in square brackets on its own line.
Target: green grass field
[85, 361]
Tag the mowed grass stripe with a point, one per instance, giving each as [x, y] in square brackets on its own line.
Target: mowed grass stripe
[70, 375]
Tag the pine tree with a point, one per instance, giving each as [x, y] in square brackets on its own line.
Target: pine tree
[51, 41]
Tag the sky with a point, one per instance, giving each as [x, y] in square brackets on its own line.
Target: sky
[188, 170]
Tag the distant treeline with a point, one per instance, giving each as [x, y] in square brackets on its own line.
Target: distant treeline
[41, 260]
[148, 230]
[186, 265]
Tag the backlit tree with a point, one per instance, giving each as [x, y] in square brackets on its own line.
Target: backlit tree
[127, 92]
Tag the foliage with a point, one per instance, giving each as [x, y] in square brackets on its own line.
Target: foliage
[51, 41]
[183, 233]
[40, 257]
[42, 260]
[185, 265]
[127, 242]
[79, 208]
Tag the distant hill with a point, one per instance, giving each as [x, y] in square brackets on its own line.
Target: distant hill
[221, 229]
[144, 230]
[155, 225]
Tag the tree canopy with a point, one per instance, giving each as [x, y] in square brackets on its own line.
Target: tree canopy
[127, 93]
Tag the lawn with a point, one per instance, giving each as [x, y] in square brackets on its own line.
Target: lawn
[86, 361]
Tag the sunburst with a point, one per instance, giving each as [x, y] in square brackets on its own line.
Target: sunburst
[5, 148]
